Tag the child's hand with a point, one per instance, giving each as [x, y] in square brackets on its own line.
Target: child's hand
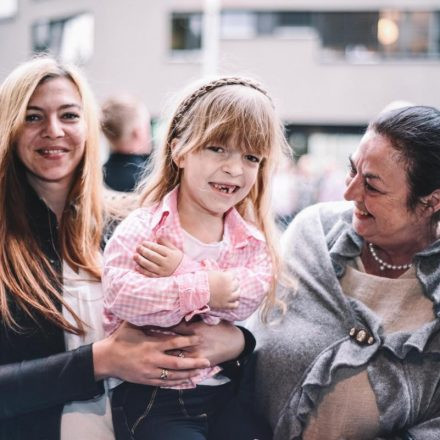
[157, 259]
[225, 290]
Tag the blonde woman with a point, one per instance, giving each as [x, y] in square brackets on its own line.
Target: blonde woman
[52, 354]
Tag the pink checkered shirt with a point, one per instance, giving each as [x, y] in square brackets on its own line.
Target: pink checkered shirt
[164, 302]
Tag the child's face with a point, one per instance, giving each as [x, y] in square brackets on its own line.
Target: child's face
[218, 177]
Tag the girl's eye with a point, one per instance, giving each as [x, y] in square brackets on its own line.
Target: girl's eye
[32, 117]
[252, 158]
[215, 149]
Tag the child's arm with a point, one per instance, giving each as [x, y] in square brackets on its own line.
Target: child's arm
[159, 259]
[254, 278]
[147, 301]
[163, 258]
[234, 293]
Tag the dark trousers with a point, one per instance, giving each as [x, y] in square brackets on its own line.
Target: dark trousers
[142, 412]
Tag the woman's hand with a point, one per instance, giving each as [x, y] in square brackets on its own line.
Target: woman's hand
[218, 343]
[135, 355]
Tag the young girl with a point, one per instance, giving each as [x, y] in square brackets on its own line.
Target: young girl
[204, 239]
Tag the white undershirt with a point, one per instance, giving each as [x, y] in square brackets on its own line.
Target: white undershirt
[197, 250]
[91, 419]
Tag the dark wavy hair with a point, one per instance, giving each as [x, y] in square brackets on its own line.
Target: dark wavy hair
[415, 134]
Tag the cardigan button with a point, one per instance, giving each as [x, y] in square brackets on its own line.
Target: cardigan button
[361, 336]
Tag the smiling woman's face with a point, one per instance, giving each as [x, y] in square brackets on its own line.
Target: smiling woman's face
[52, 140]
[377, 184]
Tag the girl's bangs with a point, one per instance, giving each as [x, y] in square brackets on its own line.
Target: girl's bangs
[249, 129]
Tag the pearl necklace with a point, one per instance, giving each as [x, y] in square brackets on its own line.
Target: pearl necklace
[383, 264]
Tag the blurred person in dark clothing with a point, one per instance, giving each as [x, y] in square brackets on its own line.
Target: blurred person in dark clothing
[126, 125]
[294, 187]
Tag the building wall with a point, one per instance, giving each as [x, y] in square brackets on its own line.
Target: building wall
[131, 53]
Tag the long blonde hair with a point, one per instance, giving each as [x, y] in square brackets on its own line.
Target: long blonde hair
[227, 108]
[25, 271]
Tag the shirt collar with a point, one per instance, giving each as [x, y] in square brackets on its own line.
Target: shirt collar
[166, 208]
[237, 231]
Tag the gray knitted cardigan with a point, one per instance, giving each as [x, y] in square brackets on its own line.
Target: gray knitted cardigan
[298, 357]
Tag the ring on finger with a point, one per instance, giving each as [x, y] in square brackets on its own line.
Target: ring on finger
[164, 374]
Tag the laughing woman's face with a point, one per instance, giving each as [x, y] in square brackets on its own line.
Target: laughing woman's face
[52, 140]
[377, 184]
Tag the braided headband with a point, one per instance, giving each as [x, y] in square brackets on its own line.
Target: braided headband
[187, 103]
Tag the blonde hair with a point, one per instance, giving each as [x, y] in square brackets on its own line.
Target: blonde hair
[218, 111]
[25, 271]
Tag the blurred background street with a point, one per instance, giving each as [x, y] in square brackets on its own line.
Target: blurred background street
[330, 65]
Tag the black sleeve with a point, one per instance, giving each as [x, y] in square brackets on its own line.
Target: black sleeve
[233, 368]
[42, 383]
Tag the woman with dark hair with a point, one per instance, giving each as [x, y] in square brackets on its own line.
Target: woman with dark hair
[357, 354]
[53, 354]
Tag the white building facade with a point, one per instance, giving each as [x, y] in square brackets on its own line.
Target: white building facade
[330, 66]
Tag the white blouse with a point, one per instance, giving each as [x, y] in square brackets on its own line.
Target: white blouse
[89, 419]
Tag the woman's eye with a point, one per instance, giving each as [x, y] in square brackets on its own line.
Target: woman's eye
[370, 188]
[351, 170]
[252, 158]
[70, 115]
[32, 117]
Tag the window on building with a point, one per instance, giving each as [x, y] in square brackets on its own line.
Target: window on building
[348, 34]
[70, 39]
[186, 31]
[281, 23]
[368, 36]
[238, 24]
[250, 24]
[363, 36]
[408, 34]
[8, 8]
[186, 27]
[289, 23]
